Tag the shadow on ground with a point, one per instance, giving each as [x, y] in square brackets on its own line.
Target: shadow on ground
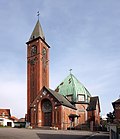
[59, 136]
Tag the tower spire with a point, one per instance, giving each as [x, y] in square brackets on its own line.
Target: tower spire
[37, 32]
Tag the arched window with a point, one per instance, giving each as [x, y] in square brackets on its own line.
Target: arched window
[46, 106]
[33, 50]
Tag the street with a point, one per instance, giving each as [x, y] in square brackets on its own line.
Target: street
[63, 136]
[21, 133]
[59, 136]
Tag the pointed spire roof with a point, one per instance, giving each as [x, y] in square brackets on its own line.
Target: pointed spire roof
[37, 32]
[93, 103]
[71, 86]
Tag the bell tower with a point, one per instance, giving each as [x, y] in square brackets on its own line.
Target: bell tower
[37, 65]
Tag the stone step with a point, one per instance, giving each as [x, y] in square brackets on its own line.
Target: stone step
[44, 128]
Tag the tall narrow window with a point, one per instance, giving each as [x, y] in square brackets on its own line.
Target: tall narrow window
[33, 50]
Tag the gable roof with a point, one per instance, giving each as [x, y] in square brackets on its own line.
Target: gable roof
[14, 118]
[116, 102]
[61, 99]
[93, 103]
[5, 112]
[71, 86]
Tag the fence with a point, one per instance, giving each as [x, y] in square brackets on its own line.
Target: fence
[114, 131]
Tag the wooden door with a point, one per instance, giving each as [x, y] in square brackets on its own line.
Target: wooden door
[47, 118]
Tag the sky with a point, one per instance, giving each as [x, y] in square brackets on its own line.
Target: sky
[84, 36]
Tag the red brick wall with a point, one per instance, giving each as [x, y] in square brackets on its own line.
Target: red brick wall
[97, 116]
[81, 110]
[117, 111]
[37, 74]
[65, 112]
[94, 116]
[60, 113]
[117, 114]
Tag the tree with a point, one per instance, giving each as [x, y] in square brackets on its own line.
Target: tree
[110, 117]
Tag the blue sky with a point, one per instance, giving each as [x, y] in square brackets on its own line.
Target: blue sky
[83, 34]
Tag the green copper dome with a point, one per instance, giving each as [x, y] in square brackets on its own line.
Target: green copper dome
[72, 87]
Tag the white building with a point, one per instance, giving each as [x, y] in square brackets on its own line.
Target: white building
[5, 118]
[6, 122]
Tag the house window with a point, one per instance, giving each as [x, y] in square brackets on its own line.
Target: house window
[88, 99]
[81, 97]
[70, 97]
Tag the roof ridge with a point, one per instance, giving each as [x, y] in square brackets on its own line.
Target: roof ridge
[54, 93]
[73, 83]
[73, 79]
[79, 81]
[81, 84]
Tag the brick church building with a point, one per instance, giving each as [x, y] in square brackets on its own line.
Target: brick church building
[69, 105]
[116, 106]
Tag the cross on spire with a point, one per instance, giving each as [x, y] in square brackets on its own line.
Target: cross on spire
[38, 14]
[70, 70]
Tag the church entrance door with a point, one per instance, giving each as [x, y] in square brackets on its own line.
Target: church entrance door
[47, 118]
[47, 112]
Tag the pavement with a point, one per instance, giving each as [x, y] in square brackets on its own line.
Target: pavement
[21, 133]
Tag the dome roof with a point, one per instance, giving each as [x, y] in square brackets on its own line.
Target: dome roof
[71, 86]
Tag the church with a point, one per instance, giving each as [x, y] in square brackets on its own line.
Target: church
[70, 105]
